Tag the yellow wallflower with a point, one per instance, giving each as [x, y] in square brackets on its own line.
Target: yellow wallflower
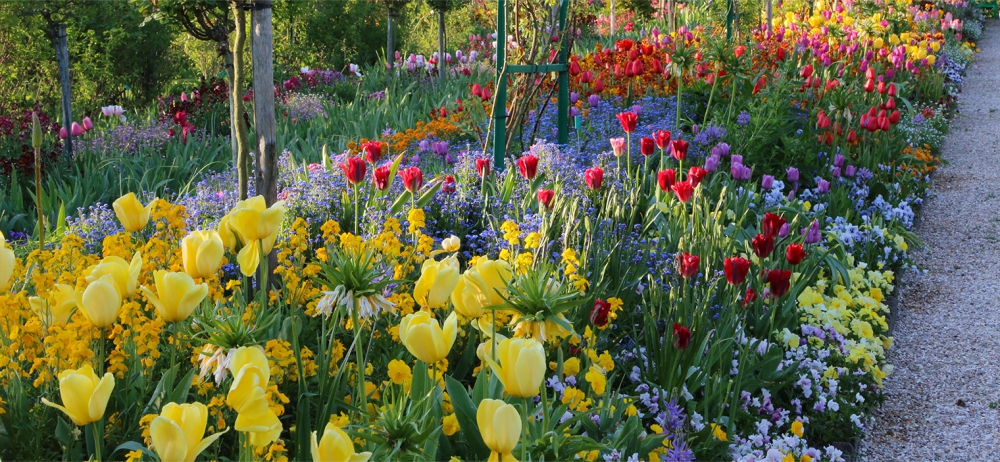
[399, 371]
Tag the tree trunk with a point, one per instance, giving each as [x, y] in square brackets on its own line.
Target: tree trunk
[222, 47]
[390, 52]
[61, 44]
[441, 62]
[236, 94]
[769, 14]
[263, 101]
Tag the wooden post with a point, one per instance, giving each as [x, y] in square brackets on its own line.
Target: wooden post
[612, 18]
[263, 100]
[440, 47]
[60, 43]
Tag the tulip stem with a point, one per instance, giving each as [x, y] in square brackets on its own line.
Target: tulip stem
[357, 219]
[356, 325]
[98, 440]
[100, 351]
[527, 430]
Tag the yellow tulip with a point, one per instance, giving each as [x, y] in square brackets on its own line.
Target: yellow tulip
[257, 419]
[131, 212]
[125, 274]
[336, 446]
[879, 43]
[521, 367]
[247, 397]
[256, 226]
[451, 243]
[176, 295]
[500, 427]
[470, 295]
[425, 339]
[437, 281]
[177, 432]
[931, 59]
[201, 252]
[84, 395]
[228, 238]
[7, 262]
[63, 301]
[100, 302]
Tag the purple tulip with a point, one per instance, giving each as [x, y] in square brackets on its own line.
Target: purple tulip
[767, 182]
[711, 163]
[793, 174]
[694, 129]
[783, 231]
[637, 109]
[740, 172]
[593, 100]
[424, 145]
[812, 233]
[823, 187]
[836, 172]
[720, 150]
[850, 171]
[574, 111]
[440, 148]
[838, 160]
[737, 159]
[574, 97]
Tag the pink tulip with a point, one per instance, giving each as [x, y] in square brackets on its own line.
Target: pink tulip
[63, 134]
[87, 124]
[76, 129]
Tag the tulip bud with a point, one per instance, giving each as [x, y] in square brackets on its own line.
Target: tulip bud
[335, 445]
[201, 253]
[36, 131]
[177, 432]
[500, 427]
[131, 212]
[100, 302]
[176, 295]
[437, 281]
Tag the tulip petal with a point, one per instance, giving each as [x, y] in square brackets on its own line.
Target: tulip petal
[75, 389]
[191, 300]
[484, 418]
[99, 399]
[530, 368]
[65, 411]
[249, 258]
[506, 428]
[168, 440]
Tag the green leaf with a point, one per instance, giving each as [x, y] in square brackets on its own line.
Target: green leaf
[400, 202]
[134, 446]
[465, 412]
[429, 194]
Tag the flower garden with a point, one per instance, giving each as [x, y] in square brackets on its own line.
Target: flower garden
[703, 272]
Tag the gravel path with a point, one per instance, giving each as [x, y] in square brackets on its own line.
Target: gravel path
[947, 352]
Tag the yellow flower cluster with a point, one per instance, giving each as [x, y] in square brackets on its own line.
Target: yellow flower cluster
[855, 310]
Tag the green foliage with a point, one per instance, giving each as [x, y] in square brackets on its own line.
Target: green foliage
[328, 34]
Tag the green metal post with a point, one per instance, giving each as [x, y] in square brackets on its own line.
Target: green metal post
[563, 99]
[500, 105]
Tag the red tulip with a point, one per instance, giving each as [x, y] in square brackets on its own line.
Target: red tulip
[657, 67]
[763, 245]
[794, 253]
[781, 54]
[574, 68]
[413, 178]
[869, 86]
[682, 336]
[545, 197]
[806, 71]
[894, 117]
[739, 51]
[380, 178]
[696, 174]
[372, 150]
[736, 269]
[646, 146]
[678, 149]
[771, 224]
[667, 178]
[483, 167]
[662, 138]
[890, 103]
[594, 177]
[354, 169]
[448, 186]
[684, 190]
[852, 136]
[892, 89]
[528, 166]
[779, 281]
[599, 313]
[628, 121]
[477, 90]
[883, 124]
[637, 68]
[881, 87]
[870, 73]
[688, 264]
[750, 297]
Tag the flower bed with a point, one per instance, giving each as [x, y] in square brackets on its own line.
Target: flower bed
[710, 287]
